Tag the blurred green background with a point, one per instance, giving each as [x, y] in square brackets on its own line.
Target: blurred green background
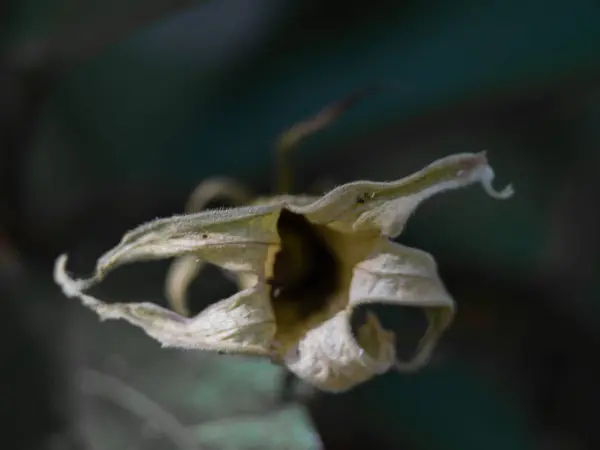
[111, 112]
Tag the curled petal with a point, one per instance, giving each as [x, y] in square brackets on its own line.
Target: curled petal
[400, 275]
[237, 238]
[330, 358]
[218, 188]
[385, 207]
[181, 273]
[242, 323]
[184, 269]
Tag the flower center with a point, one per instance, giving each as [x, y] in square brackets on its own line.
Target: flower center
[305, 270]
[304, 275]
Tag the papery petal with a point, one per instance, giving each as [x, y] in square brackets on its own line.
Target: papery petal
[292, 202]
[404, 276]
[184, 269]
[385, 206]
[181, 274]
[242, 323]
[330, 358]
[236, 239]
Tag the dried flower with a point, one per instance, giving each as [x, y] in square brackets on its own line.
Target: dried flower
[303, 265]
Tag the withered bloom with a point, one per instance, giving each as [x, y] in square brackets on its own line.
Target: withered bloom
[303, 264]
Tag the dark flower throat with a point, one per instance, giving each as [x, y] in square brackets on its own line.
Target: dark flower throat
[305, 270]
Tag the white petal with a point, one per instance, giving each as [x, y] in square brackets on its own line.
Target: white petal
[181, 273]
[242, 323]
[184, 269]
[400, 275]
[236, 239]
[385, 207]
[292, 202]
[331, 359]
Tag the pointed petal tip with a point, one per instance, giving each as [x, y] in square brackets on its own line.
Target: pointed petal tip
[60, 268]
[487, 177]
[71, 287]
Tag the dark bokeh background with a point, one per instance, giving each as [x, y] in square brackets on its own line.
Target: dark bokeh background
[111, 112]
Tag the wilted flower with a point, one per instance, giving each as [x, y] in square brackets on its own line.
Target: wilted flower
[303, 265]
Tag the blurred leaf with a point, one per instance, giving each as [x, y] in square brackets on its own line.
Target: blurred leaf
[287, 429]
